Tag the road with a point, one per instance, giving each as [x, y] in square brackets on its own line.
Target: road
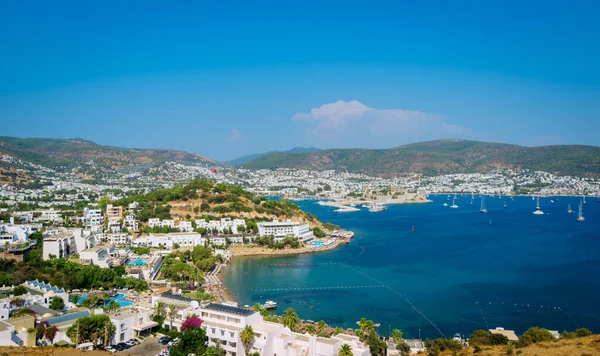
[148, 347]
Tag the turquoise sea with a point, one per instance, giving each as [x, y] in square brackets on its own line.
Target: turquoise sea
[458, 271]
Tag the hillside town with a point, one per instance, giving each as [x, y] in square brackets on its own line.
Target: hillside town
[166, 269]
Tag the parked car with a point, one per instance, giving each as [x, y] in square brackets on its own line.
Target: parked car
[110, 349]
[124, 345]
[173, 342]
[131, 343]
[117, 347]
[164, 340]
[135, 341]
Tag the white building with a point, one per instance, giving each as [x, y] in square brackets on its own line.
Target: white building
[98, 256]
[282, 229]
[65, 243]
[92, 217]
[130, 323]
[185, 226]
[187, 239]
[183, 239]
[12, 233]
[154, 222]
[38, 293]
[224, 323]
[120, 238]
[51, 215]
[130, 222]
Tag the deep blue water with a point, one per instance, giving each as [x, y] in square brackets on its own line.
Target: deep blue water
[457, 269]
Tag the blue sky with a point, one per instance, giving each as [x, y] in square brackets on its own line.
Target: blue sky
[225, 79]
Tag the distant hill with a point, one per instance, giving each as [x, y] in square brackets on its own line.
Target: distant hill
[241, 160]
[69, 153]
[441, 157]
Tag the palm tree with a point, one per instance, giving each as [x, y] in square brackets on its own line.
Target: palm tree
[74, 298]
[113, 306]
[105, 298]
[291, 319]
[171, 313]
[396, 335]
[159, 309]
[345, 350]
[247, 337]
[321, 326]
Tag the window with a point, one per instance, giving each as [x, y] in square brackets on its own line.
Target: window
[222, 332]
[122, 337]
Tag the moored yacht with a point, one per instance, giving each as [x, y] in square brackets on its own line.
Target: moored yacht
[482, 209]
[580, 217]
[538, 211]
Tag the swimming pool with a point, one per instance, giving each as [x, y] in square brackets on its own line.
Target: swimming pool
[137, 262]
[318, 243]
[119, 298]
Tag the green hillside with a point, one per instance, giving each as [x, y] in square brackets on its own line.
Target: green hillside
[69, 153]
[442, 157]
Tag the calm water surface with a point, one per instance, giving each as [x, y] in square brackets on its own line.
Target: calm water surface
[460, 269]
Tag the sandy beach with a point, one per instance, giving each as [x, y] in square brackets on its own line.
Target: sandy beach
[260, 250]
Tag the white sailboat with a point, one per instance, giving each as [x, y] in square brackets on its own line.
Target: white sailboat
[580, 217]
[454, 206]
[570, 211]
[538, 211]
[483, 210]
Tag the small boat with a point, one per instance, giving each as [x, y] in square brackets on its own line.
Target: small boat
[580, 217]
[445, 204]
[504, 205]
[584, 199]
[537, 210]
[269, 304]
[551, 201]
[454, 206]
[569, 210]
[376, 207]
[413, 228]
[482, 209]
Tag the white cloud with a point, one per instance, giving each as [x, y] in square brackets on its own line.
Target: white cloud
[235, 136]
[351, 119]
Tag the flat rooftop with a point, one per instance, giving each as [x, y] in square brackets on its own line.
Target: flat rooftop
[229, 309]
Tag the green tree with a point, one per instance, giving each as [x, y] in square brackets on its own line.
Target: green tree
[192, 341]
[291, 319]
[247, 337]
[583, 332]
[92, 328]
[345, 350]
[19, 290]
[171, 313]
[396, 335]
[57, 304]
[535, 335]
[39, 330]
[376, 345]
[318, 232]
[321, 325]
[159, 309]
[403, 349]
[74, 298]
[310, 329]
[113, 306]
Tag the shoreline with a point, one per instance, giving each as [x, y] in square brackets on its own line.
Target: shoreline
[220, 291]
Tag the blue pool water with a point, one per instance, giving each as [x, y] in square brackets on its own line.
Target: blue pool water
[460, 270]
[317, 243]
[137, 262]
[119, 298]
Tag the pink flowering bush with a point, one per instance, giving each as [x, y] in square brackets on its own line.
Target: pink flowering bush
[191, 322]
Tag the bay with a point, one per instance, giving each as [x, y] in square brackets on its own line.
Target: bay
[460, 270]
